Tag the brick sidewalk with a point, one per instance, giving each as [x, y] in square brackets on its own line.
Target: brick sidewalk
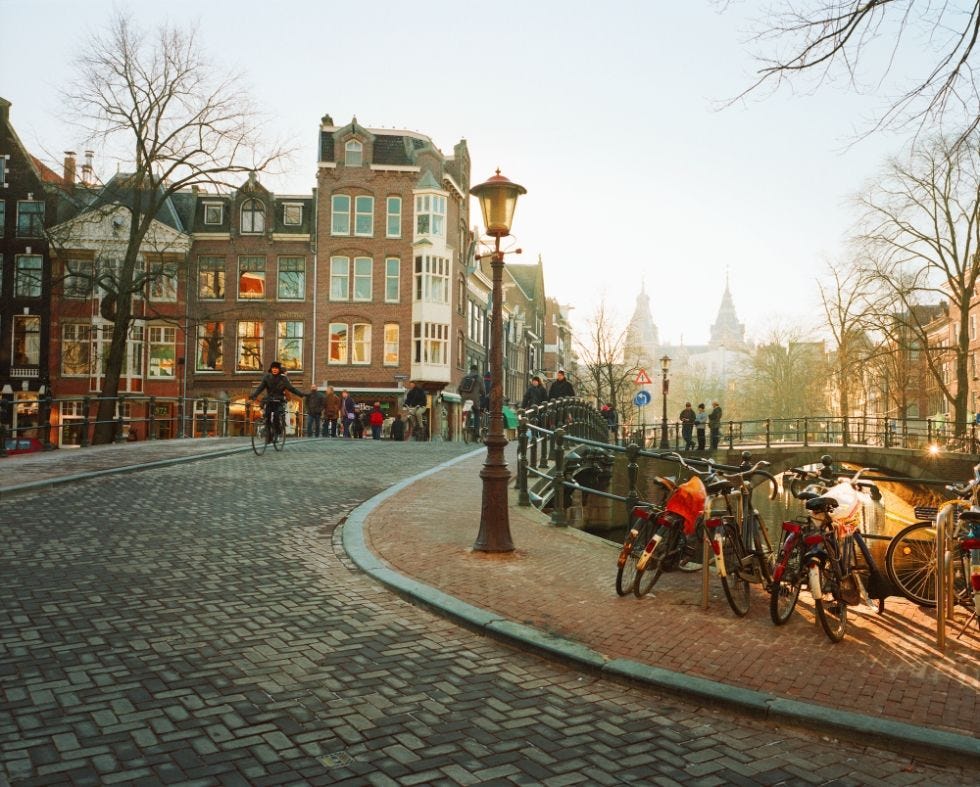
[562, 582]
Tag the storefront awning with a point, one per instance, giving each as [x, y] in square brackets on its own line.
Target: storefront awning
[449, 396]
[510, 417]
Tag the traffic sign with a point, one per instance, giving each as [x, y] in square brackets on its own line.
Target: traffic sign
[642, 398]
[643, 378]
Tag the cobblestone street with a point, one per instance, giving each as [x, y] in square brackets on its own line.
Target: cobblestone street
[201, 624]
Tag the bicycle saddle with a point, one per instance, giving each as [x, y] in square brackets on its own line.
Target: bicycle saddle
[718, 486]
[807, 495]
[821, 505]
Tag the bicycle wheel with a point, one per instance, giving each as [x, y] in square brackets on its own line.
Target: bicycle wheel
[258, 437]
[647, 576]
[632, 549]
[279, 437]
[911, 563]
[468, 435]
[830, 607]
[785, 591]
[736, 587]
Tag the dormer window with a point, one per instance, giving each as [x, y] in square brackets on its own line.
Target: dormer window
[353, 153]
[292, 214]
[253, 216]
[214, 213]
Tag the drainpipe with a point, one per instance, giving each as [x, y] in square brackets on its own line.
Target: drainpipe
[313, 248]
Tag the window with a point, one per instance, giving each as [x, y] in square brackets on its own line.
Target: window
[292, 214]
[973, 326]
[430, 343]
[392, 279]
[253, 216]
[249, 346]
[3, 217]
[364, 216]
[353, 153]
[210, 347]
[338, 343]
[79, 279]
[391, 344]
[251, 278]
[430, 214]
[432, 279]
[27, 276]
[340, 214]
[163, 351]
[163, 281]
[289, 344]
[214, 213]
[393, 228]
[291, 284]
[360, 347]
[339, 278]
[134, 351]
[210, 278]
[461, 295]
[76, 350]
[27, 340]
[30, 219]
[362, 278]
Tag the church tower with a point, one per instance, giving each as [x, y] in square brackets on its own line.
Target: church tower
[642, 339]
[727, 332]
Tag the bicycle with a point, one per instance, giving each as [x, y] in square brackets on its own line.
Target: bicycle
[642, 524]
[416, 423]
[274, 433]
[474, 431]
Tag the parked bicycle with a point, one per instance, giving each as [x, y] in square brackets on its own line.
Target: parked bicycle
[642, 524]
[272, 433]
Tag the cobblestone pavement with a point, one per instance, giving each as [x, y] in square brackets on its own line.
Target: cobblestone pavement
[200, 624]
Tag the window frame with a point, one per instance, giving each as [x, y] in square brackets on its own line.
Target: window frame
[339, 339]
[391, 344]
[254, 258]
[393, 218]
[335, 213]
[292, 361]
[359, 278]
[161, 336]
[292, 206]
[336, 277]
[82, 339]
[360, 344]
[22, 275]
[33, 231]
[395, 279]
[364, 218]
[32, 354]
[255, 207]
[353, 153]
[256, 337]
[214, 334]
[291, 258]
[210, 206]
[69, 289]
[223, 279]
[163, 274]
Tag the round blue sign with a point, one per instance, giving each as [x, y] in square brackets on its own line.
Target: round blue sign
[642, 398]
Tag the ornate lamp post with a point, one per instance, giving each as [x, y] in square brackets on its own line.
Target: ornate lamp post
[665, 367]
[498, 198]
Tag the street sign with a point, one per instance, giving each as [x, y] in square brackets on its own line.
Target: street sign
[642, 398]
[643, 378]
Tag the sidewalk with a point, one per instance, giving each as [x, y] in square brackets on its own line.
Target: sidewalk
[886, 681]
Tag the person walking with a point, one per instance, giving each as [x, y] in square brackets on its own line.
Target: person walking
[471, 390]
[377, 419]
[700, 423]
[687, 419]
[714, 424]
[560, 387]
[331, 411]
[348, 412]
[314, 411]
[535, 394]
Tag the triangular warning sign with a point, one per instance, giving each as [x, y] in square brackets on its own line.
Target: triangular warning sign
[643, 378]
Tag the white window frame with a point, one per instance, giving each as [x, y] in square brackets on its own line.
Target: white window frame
[339, 217]
[240, 337]
[392, 336]
[222, 265]
[162, 337]
[393, 220]
[32, 341]
[290, 332]
[393, 279]
[257, 210]
[363, 279]
[360, 344]
[202, 344]
[295, 208]
[342, 342]
[253, 259]
[336, 277]
[431, 282]
[209, 207]
[76, 338]
[430, 214]
[353, 153]
[430, 343]
[289, 259]
[163, 282]
[364, 216]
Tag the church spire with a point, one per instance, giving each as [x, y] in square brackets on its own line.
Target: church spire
[727, 331]
[642, 338]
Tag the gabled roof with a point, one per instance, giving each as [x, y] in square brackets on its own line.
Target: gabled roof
[121, 190]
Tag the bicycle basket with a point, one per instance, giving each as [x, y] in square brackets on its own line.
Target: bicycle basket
[688, 501]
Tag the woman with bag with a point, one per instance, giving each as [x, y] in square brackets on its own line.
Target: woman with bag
[348, 412]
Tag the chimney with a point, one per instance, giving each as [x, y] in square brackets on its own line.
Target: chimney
[87, 168]
[69, 172]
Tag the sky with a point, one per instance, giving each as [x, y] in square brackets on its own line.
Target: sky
[612, 115]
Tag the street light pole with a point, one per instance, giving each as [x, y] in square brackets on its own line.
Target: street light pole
[498, 198]
[665, 366]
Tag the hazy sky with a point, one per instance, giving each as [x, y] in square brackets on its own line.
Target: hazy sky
[608, 113]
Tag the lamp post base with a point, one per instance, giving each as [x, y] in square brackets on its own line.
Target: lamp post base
[494, 535]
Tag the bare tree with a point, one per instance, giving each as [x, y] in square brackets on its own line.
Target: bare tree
[833, 39]
[156, 96]
[922, 231]
[605, 374]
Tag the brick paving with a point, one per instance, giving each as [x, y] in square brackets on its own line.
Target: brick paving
[201, 624]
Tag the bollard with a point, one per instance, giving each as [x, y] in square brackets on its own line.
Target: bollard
[558, 481]
[120, 437]
[523, 499]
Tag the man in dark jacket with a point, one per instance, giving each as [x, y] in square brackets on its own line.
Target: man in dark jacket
[314, 411]
[560, 387]
[687, 419]
[535, 394]
[714, 425]
[275, 384]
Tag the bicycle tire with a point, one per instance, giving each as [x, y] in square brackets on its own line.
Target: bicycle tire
[632, 549]
[785, 591]
[736, 587]
[647, 577]
[279, 437]
[258, 437]
[910, 562]
[830, 607]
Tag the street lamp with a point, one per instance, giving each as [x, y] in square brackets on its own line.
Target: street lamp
[498, 198]
[665, 367]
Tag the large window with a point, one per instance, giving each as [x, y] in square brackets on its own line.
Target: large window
[392, 279]
[27, 340]
[289, 344]
[339, 278]
[163, 351]
[360, 345]
[291, 284]
[27, 276]
[163, 281]
[210, 347]
[253, 216]
[76, 349]
[353, 153]
[393, 226]
[134, 351]
[338, 343]
[364, 216]
[79, 278]
[430, 214]
[249, 350]
[340, 214]
[432, 279]
[353, 339]
[251, 278]
[391, 344]
[210, 278]
[30, 219]
[430, 343]
[363, 279]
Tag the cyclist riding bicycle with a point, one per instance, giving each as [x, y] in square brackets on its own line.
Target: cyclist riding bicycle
[275, 383]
